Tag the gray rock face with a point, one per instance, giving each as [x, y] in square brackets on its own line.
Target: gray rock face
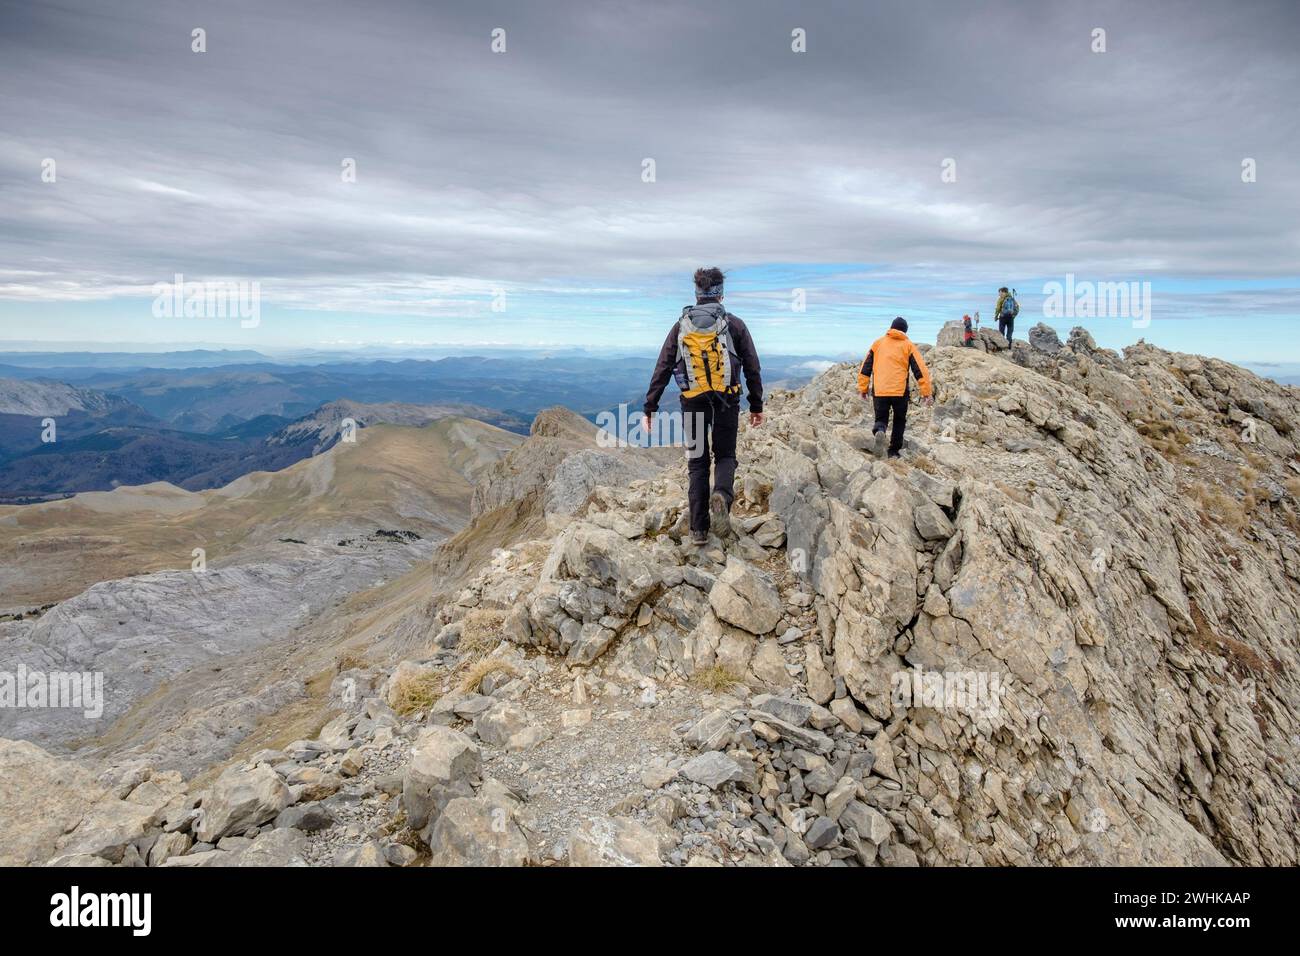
[744, 596]
[39, 399]
[167, 846]
[241, 798]
[42, 797]
[869, 822]
[822, 833]
[993, 340]
[951, 334]
[1034, 578]
[184, 620]
[562, 461]
[987, 339]
[578, 474]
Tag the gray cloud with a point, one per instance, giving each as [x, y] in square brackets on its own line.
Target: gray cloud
[477, 169]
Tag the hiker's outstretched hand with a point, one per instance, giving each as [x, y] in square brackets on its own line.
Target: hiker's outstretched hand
[756, 418]
[645, 424]
[928, 400]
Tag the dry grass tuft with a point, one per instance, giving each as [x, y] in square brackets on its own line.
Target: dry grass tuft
[480, 669]
[416, 693]
[716, 679]
[480, 631]
[1219, 508]
[1257, 461]
[1165, 437]
[349, 660]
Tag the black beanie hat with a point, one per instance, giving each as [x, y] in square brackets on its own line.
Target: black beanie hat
[899, 323]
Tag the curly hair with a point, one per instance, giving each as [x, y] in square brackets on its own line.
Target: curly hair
[707, 279]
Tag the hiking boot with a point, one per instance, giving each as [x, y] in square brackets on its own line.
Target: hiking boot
[699, 538]
[719, 515]
[878, 444]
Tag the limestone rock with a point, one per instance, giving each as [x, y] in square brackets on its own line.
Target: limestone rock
[479, 831]
[745, 596]
[613, 841]
[241, 798]
[42, 797]
[712, 769]
[444, 765]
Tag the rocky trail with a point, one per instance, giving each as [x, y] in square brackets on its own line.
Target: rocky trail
[1062, 629]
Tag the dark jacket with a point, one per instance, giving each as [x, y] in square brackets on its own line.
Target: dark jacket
[742, 344]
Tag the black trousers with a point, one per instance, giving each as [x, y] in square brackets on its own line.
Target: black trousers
[1005, 326]
[709, 427]
[884, 405]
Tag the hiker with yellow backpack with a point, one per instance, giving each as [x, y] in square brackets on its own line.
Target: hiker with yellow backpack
[708, 351]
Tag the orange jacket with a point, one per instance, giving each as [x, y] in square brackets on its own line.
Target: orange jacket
[891, 357]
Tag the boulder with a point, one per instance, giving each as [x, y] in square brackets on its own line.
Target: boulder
[769, 665]
[273, 848]
[711, 732]
[613, 841]
[931, 523]
[444, 765]
[241, 798]
[480, 831]
[712, 769]
[308, 817]
[1044, 338]
[167, 846]
[745, 597]
[107, 830]
[500, 722]
[368, 854]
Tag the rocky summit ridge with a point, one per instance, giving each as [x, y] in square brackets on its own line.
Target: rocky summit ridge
[1061, 629]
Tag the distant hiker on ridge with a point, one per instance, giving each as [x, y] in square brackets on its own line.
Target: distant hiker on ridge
[891, 358]
[707, 350]
[1006, 311]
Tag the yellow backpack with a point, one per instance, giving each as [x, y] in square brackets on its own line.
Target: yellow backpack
[704, 357]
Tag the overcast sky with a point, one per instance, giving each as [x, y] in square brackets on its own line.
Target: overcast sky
[522, 171]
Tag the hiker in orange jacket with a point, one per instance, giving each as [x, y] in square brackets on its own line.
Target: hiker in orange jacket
[892, 357]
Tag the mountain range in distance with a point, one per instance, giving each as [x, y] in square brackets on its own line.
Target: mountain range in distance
[200, 418]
